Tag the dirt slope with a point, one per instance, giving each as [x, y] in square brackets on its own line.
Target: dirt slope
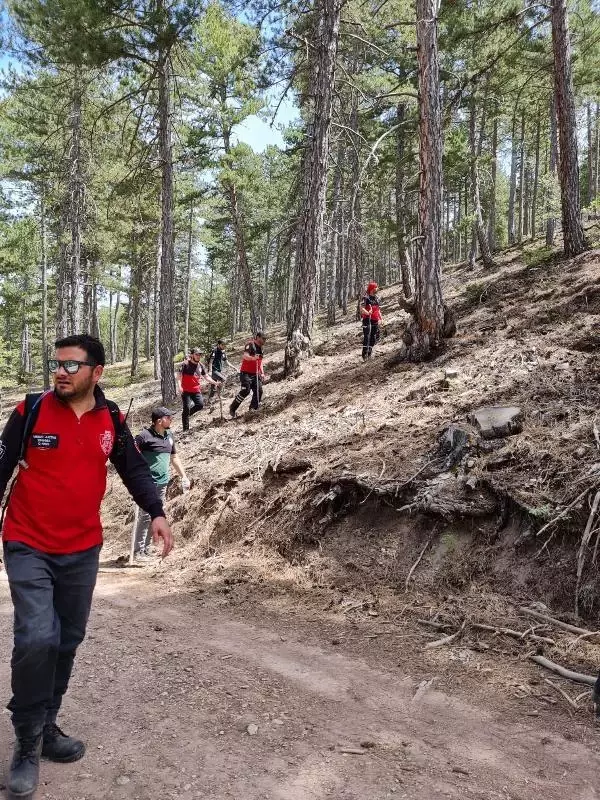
[167, 683]
[327, 540]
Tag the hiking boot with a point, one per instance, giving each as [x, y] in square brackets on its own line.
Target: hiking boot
[57, 746]
[24, 770]
[142, 558]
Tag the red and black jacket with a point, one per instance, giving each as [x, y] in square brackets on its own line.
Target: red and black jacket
[190, 376]
[370, 302]
[54, 504]
[249, 365]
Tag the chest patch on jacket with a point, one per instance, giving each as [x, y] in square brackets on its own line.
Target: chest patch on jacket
[45, 441]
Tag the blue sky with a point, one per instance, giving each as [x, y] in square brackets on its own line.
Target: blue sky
[257, 133]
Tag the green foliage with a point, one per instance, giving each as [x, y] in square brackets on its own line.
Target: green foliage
[538, 256]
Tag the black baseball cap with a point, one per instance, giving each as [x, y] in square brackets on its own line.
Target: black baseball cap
[161, 411]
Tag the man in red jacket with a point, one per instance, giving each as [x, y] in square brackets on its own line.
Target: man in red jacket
[52, 538]
[192, 372]
[251, 374]
[370, 312]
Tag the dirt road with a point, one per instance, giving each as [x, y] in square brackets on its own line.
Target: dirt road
[166, 687]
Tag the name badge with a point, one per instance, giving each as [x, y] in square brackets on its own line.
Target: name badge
[45, 441]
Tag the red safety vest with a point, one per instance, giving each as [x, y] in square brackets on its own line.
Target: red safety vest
[249, 365]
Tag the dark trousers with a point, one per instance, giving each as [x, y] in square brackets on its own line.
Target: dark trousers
[192, 402]
[249, 383]
[370, 336]
[52, 598]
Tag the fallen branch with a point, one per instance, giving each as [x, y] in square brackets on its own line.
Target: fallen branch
[585, 540]
[576, 641]
[586, 693]
[564, 511]
[446, 639]
[515, 634]
[416, 564]
[557, 688]
[440, 626]
[578, 677]
[558, 623]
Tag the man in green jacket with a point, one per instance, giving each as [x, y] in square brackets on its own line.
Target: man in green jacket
[157, 445]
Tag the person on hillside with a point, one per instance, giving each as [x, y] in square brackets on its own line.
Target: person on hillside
[370, 312]
[217, 362]
[192, 372]
[251, 374]
[52, 538]
[157, 445]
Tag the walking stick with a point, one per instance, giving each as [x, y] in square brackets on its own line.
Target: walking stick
[132, 548]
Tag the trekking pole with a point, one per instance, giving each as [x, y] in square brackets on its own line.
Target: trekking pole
[219, 387]
[136, 515]
[135, 524]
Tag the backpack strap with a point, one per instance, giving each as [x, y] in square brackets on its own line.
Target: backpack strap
[119, 428]
[32, 410]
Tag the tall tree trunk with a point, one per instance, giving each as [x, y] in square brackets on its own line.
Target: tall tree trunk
[135, 303]
[310, 240]
[233, 299]
[210, 305]
[536, 178]
[188, 283]
[266, 278]
[167, 337]
[355, 254]
[87, 305]
[114, 331]
[44, 279]
[425, 334]
[458, 223]
[527, 199]
[126, 332]
[514, 160]
[26, 369]
[111, 358]
[76, 203]
[333, 277]
[597, 154]
[68, 274]
[95, 324]
[148, 342]
[553, 161]
[590, 153]
[480, 231]
[521, 179]
[401, 209]
[157, 270]
[243, 263]
[494, 179]
[568, 166]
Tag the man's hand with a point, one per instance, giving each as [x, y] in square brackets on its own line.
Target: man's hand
[185, 483]
[159, 528]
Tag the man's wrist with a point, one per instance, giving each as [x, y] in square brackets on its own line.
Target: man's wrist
[156, 510]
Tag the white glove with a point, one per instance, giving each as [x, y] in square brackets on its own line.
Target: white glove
[185, 484]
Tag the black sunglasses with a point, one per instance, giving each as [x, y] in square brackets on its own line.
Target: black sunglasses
[70, 366]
